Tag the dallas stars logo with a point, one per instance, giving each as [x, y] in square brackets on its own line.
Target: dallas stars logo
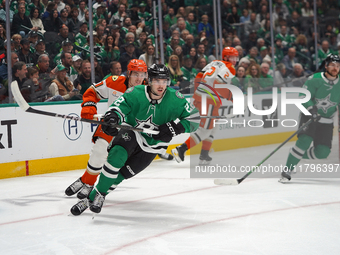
[324, 103]
[148, 124]
[126, 137]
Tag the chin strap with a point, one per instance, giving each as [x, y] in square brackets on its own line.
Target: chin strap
[331, 81]
[151, 91]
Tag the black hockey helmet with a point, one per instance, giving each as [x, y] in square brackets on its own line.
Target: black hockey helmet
[159, 71]
[332, 58]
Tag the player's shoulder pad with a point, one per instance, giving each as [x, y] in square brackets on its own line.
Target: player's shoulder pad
[315, 76]
[129, 90]
[179, 95]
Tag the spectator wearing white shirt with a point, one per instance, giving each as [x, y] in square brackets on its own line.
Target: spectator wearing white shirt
[60, 5]
[82, 9]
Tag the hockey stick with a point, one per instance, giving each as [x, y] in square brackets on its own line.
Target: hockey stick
[238, 181]
[27, 108]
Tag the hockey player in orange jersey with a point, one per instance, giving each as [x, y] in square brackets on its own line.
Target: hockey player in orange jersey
[205, 80]
[111, 88]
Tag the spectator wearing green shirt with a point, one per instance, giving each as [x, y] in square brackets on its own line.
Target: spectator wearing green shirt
[190, 5]
[286, 39]
[171, 47]
[201, 51]
[67, 47]
[265, 80]
[81, 37]
[175, 33]
[111, 48]
[324, 51]
[189, 73]
[190, 24]
[170, 17]
[253, 54]
[176, 74]
[278, 49]
[144, 15]
[67, 61]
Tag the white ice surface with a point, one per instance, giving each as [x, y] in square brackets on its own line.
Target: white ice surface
[163, 211]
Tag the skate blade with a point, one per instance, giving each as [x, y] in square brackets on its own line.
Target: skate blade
[166, 156]
[204, 163]
[175, 154]
[283, 180]
[229, 182]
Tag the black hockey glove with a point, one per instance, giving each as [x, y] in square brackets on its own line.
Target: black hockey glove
[314, 111]
[110, 118]
[168, 130]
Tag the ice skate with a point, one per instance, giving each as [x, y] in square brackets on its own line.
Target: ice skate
[74, 187]
[166, 156]
[285, 176]
[205, 160]
[179, 152]
[85, 191]
[80, 207]
[97, 204]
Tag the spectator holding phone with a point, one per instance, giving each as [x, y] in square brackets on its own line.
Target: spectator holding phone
[62, 86]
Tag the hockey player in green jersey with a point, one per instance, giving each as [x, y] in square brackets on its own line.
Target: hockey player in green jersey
[325, 96]
[157, 107]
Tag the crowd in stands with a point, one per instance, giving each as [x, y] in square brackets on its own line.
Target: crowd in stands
[50, 42]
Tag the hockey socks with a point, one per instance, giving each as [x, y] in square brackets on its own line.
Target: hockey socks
[206, 145]
[110, 176]
[190, 143]
[298, 151]
[105, 183]
[90, 177]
